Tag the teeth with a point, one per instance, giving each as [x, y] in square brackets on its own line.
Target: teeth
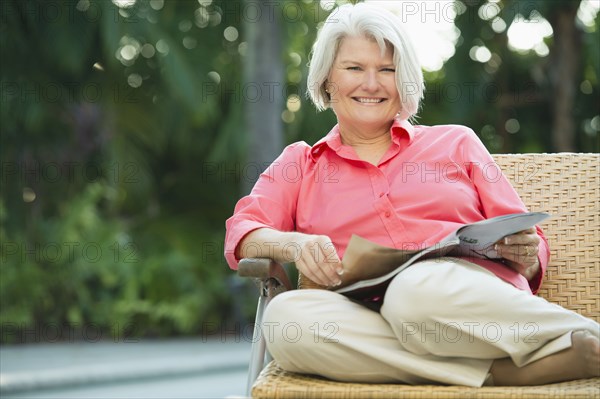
[369, 100]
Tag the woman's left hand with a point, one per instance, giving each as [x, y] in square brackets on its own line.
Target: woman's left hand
[520, 251]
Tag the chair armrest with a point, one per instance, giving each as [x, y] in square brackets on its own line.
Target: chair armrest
[271, 275]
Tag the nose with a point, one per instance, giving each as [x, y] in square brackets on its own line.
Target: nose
[370, 81]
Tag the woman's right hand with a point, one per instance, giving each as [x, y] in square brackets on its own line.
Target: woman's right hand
[315, 257]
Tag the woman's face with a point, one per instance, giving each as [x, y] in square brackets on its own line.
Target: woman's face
[362, 85]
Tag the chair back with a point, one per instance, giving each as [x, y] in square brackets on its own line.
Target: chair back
[567, 186]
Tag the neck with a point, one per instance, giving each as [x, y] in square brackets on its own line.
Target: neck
[370, 146]
[364, 138]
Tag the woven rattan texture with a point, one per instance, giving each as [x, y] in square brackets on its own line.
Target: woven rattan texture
[568, 187]
[564, 185]
[273, 382]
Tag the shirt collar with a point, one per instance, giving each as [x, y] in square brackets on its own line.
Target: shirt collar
[333, 139]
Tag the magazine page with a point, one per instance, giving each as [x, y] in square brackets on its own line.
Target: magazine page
[365, 260]
[367, 264]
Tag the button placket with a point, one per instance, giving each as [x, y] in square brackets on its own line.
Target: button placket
[382, 204]
[379, 182]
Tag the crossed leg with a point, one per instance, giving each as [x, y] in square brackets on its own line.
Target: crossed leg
[445, 321]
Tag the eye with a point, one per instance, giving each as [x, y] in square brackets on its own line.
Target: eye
[388, 70]
[353, 68]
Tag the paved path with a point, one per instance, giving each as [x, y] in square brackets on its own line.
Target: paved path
[54, 370]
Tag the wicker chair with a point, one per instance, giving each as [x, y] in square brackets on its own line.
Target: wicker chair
[566, 185]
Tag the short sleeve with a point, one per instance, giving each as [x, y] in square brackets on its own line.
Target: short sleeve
[271, 203]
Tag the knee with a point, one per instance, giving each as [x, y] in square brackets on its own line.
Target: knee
[286, 321]
[280, 310]
[403, 301]
[416, 295]
[291, 306]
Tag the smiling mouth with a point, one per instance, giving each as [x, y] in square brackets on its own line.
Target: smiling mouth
[368, 100]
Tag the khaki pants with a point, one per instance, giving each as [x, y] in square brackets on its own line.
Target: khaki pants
[442, 321]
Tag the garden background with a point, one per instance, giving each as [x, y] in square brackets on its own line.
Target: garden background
[129, 129]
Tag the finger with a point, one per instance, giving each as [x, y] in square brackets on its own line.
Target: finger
[525, 260]
[329, 268]
[519, 253]
[309, 273]
[516, 236]
[325, 276]
[522, 239]
[331, 256]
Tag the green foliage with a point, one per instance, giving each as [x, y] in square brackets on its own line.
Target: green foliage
[512, 85]
[71, 275]
[97, 164]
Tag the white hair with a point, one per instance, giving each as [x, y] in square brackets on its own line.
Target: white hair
[374, 22]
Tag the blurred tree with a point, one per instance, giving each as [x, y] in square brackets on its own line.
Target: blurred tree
[122, 98]
[564, 70]
[507, 97]
[264, 76]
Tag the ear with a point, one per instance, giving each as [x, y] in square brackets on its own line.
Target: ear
[327, 88]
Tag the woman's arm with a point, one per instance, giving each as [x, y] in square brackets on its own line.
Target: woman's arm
[271, 204]
[314, 255]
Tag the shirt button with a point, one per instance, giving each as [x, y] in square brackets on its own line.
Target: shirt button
[380, 195]
[388, 214]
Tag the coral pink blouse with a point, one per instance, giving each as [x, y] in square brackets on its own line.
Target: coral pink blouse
[431, 180]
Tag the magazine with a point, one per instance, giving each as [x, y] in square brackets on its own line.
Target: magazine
[369, 266]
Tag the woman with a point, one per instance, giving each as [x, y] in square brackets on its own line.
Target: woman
[452, 320]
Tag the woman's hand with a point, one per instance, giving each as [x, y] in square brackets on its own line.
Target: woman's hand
[520, 251]
[314, 255]
[316, 258]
